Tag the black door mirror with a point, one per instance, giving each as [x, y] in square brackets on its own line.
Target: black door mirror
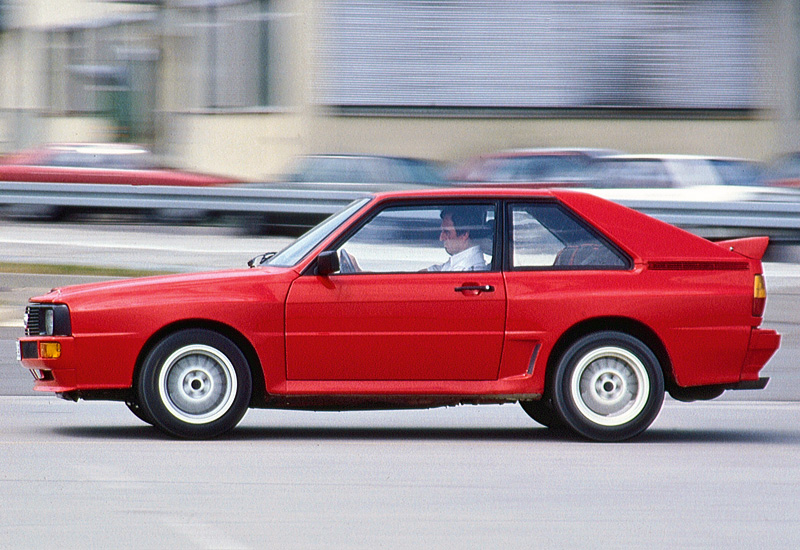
[327, 263]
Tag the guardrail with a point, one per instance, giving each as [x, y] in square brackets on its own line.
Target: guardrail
[768, 212]
[216, 199]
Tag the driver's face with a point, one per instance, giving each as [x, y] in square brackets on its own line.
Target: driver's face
[453, 243]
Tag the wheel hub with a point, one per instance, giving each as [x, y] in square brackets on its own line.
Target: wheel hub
[197, 384]
[610, 386]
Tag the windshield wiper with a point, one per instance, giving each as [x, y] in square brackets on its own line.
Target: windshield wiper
[258, 260]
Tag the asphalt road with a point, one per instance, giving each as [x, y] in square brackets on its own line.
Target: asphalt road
[90, 475]
[722, 474]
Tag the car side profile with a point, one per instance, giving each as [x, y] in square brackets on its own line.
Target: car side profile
[583, 311]
[93, 164]
[363, 169]
[677, 171]
[104, 163]
[533, 168]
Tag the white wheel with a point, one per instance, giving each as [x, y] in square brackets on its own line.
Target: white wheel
[608, 386]
[195, 383]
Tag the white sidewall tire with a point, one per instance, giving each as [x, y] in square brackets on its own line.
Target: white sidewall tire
[195, 383]
[608, 386]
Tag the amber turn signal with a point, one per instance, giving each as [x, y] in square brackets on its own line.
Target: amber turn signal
[759, 295]
[49, 350]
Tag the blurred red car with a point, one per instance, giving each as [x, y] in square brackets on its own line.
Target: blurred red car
[536, 168]
[98, 163]
[582, 310]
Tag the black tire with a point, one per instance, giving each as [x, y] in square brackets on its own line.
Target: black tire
[195, 384]
[542, 412]
[608, 386]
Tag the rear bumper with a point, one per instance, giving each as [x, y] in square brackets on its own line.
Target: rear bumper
[763, 345]
[759, 384]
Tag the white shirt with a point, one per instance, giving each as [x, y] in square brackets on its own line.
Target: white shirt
[470, 259]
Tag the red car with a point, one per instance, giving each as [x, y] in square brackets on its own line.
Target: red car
[582, 310]
[108, 163]
[534, 168]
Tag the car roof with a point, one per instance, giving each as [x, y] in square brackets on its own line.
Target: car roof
[674, 156]
[358, 156]
[124, 148]
[467, 192]
[639, 234]
[541, 151]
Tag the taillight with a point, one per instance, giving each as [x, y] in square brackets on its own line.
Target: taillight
[759, 295]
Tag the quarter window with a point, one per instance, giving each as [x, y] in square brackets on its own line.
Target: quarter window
[546, 236]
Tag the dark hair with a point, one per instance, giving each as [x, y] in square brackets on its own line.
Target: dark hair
[467, 219]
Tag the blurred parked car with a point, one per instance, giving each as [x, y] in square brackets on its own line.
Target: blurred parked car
[95, 163]
[677, 171]
[783, 171]
[336, 173]
[364, 169]
[98, 163]
[533, 168]
[681, 178]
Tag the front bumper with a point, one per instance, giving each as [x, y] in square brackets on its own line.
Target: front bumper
[49, 374]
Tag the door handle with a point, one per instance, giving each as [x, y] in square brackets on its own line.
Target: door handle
[475, 288]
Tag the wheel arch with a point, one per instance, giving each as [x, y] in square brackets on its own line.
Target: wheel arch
[259, 392]
[625, 325]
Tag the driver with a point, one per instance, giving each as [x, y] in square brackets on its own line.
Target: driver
[461, 228]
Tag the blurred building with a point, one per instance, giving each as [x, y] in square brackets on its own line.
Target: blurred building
[240, 86]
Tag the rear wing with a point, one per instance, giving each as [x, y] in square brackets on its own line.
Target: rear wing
[750, 247]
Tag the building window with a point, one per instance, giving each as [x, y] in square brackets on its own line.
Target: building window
[548, 54]
[237, 52]
[105, 68]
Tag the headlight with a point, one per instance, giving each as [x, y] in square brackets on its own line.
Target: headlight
[47, 320]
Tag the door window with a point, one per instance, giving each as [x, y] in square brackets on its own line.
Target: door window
[453, 237]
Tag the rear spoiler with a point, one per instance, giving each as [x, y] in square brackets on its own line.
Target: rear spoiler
[750, 247]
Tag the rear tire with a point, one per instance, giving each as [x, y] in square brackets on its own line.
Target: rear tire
[195, 384]
[608, 386]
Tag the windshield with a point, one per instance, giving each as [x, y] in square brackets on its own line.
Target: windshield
[298, 250]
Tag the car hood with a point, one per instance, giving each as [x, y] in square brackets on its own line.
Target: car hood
[186, 283]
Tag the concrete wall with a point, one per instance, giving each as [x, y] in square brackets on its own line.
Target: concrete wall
[249, 146]
[450, 139]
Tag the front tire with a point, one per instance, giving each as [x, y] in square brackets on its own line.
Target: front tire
[542, 412]
[136, 409]
[608, 386]
[195, 384]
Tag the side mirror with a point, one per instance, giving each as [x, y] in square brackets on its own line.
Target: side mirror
[327, 263]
